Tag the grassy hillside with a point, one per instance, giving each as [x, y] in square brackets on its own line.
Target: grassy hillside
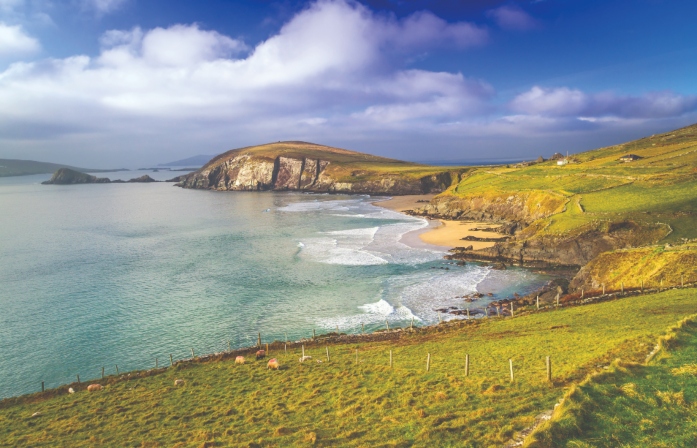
[597, 187]
[357, 404]
[632, 404]
[344, 165]
[11, 167]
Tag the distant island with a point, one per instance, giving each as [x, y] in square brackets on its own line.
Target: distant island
[196, 161]
[13, 167]
[67, 176]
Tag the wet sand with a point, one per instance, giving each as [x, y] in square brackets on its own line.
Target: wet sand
[441, 232]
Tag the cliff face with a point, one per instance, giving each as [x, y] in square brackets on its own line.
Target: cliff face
[245, 172]
[522, 208]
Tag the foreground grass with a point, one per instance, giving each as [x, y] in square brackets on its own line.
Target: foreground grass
[339, 402]
[633, 404]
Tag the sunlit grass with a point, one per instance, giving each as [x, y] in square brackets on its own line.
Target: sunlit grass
[339, 402]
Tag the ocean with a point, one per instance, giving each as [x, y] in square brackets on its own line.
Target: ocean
[101, 275]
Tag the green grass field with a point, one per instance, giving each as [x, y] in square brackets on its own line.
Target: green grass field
[339, 402]
[633, 404]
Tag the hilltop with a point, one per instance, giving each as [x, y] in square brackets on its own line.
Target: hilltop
[593, 210]
[318, 168]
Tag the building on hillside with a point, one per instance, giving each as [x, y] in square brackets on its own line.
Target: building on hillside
[629, 158]
[556, 156]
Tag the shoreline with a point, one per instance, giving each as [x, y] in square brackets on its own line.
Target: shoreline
[443, 233]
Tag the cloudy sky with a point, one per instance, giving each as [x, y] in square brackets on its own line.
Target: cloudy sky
[107, 83]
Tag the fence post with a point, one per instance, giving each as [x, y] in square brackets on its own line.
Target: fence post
[622, 287]
[356, 356]
[387, 325]
[229, 346]
[171, 360]
[156, 365]
[468, 313]
[549, 369]
[259, 340]
[512, 310]
[42, 387]
[538, 302]
[117, 369]
[428, 362]
[557, 300]
[303, 347]
[603, 288]
[582, 292]
[78, 379]
[411, 326]
[327, 353]
[510, 363]
[439, 319]
[313, 334]
[363, 326]
[193, 356]
[102, 372]
[467, 364]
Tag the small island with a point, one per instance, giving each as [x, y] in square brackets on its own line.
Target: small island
[66, 176]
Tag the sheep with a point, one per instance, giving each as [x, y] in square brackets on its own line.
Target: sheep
[71, 390]
[260, 354]
[94, 387]
[239, 360]
[273, 364]
[178, 382]
[305, 358]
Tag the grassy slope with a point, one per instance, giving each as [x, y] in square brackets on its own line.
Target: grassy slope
[368, 404]
[345, 165]
[633, 405]
[660, 188]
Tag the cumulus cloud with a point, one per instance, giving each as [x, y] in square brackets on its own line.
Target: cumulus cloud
[566, 102]
[330, 58]
[512, 17]
[14, 41]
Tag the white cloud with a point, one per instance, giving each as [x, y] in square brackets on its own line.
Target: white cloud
[566, 102]
[14, 41]
[512, 17]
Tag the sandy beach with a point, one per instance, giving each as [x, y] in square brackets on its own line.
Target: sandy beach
[442, 232]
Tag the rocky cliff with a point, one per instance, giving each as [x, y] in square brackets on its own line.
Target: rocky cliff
[300, 166]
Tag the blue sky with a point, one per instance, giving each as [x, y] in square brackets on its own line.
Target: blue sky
[126, 82]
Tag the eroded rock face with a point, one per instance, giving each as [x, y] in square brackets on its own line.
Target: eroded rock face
[253, 173]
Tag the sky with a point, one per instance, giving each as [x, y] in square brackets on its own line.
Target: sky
[112, 83]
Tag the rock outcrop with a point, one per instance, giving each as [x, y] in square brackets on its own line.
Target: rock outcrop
[66, 176]
[144, 179]
[274, 167]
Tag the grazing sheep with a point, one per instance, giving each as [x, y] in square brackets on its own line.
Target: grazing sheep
[273, 364]
[239, 360]
[261, 354]
[71, 390]
[178, 382]
[36, 414]
[305, 358]
[94, 387]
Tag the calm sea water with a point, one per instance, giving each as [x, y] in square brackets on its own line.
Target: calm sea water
[99, 275]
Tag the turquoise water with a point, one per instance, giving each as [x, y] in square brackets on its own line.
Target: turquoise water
[100, 275]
